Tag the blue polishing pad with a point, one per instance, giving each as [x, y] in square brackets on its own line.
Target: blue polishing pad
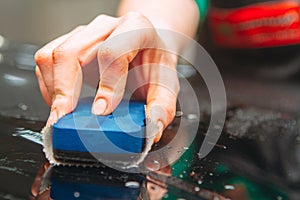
[121, 132]
[91, 183]
[74, 191]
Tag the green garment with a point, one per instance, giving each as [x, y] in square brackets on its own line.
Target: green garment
[202, 5]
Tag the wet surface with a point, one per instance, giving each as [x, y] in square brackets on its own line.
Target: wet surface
[19, 162]
[257, 156]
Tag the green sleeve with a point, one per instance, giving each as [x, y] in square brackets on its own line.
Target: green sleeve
[202, 5]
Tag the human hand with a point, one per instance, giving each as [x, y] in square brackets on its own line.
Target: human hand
[36, 193]
[121, 47]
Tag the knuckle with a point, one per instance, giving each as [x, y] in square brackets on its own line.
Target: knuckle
[80, 27]
[101, 17]
[59, 53]
[42, 57]
[105, 54]
[63, 102]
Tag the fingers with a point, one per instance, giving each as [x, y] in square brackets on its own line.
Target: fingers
[133, 35]
[114, 55]
[43, 87]
[157, 77]
[111, 87]
[115, 42]
[44, 69]
[60, 64]
[161, 107]
[38, 180]
[162, 93]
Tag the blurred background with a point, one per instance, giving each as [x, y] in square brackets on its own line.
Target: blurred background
[25, 26]
[37, 22]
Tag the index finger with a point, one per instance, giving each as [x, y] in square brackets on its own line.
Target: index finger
[76, 51]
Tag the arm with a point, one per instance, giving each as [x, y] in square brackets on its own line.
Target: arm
[177, 15]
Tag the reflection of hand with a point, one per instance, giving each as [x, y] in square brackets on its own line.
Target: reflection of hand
[156, 189]
[35, 188]
[60, 76]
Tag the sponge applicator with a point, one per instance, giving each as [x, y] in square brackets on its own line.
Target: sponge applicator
[82, 138]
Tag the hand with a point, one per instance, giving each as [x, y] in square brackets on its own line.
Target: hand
[37, 183]
[120, 47]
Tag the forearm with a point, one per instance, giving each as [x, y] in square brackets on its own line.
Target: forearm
[177, 15]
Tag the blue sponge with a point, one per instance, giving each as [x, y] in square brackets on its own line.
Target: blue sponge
[121, 132]
[91, 183]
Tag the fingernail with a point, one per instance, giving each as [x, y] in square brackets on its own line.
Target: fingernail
[160, 127]
[99, 107]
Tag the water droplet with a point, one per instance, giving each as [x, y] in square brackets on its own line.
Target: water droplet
[180, 175]
[211, 174]
[279, 198]
[217, 126]
[200, 182]
[197, 189]
[219, 145]
[76, 194]
[125, 176]
[155, 162]
[178, 113]
[185, 148]
[109, 177]
[229, 187]
[153, 165]
[191, 116]
[132, 184]
[23, 106]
